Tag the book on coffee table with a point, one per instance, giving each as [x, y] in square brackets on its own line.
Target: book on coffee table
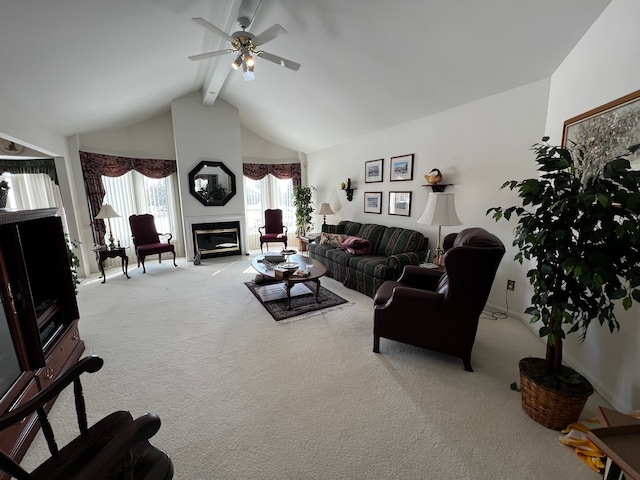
[274, 257]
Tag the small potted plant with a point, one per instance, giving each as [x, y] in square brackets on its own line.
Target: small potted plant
[582, 236]
[4, 193]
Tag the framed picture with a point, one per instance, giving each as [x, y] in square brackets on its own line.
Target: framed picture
[372, 202]
[373, 171]
[402, 168]
[400, 203]
[605, 133]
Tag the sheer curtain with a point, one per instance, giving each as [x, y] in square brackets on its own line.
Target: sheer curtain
[133, 193]
[269, 192]
[34, 190]
[269, 185]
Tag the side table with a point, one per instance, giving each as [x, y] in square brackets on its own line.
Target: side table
[102, 253]
[305, 240]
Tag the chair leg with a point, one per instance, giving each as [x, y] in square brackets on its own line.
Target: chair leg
[467, 364]
[174, 259]
[141, 260]
[376, 344]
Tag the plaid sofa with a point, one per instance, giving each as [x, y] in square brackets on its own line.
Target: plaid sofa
[392, 249]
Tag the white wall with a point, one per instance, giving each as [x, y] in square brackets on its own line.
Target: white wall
[202, 133]
[603, 67]
[256, 149]
[22, 126]
[207, 133]
[477, 147]
[152, 138]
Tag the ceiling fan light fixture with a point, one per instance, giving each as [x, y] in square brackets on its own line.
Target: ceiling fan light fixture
[248, 59]
[237, 62]
[247, 73]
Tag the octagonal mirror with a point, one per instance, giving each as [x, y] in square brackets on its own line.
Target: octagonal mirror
[212, 183]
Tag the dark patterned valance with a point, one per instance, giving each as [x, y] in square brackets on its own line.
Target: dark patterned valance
[257, 171]
[33, 165]
[94, 165]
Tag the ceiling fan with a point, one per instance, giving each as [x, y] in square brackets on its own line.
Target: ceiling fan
[245, 45]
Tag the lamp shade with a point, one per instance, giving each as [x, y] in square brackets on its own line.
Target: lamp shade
[325, 209]
[440, 210]
[107, 211]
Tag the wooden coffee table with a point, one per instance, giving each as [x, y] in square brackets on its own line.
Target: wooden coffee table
[315, 269]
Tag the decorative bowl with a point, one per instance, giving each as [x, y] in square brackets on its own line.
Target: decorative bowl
[289, 266]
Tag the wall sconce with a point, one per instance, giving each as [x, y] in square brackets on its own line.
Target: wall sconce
[347, 188]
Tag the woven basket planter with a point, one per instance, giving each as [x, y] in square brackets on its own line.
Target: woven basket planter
[550, 408]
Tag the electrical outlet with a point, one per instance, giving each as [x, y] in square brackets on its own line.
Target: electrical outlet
[511, 285]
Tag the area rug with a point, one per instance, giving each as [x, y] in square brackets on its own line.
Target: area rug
[300, 304]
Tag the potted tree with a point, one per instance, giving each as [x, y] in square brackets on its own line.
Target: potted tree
[302, 201]
[583, 235]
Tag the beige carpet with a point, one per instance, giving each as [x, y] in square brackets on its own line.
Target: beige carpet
[243, 397]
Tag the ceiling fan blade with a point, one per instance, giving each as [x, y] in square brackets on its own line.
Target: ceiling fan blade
[268, 35]
[283, 62]
[202, 56]
[209, 26]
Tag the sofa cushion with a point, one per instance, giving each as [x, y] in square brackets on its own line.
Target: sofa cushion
[399, 240]
[336, 255]
[349, 228]
[332, 239]
[373, 233]
[356, 245]
[373, 265]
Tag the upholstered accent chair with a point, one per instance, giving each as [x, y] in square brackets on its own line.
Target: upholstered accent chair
[273, 230]
[439, 309]
[146, 239]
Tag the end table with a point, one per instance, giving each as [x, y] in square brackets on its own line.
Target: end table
[102, 253]
[305, 240]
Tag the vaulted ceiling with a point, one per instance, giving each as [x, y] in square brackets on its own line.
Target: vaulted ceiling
[86, 65]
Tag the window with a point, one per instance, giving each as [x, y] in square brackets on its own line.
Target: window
[133, 193]
[34, 190]
[269, 192]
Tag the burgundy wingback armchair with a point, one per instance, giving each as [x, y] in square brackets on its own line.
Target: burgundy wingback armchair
[146, 239]
[273, 230]
[440, 310]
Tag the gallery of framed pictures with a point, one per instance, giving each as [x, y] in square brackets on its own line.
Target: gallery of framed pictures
[373, 171]
[401, 168]
[400, 203]
[605, 132]
[372, 202]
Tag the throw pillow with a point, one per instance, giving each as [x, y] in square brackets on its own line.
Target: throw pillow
[331, 239]
[356, 245]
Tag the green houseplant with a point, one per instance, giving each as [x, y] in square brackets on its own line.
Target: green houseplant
[303, 202]
[74, 261]
[583, 235]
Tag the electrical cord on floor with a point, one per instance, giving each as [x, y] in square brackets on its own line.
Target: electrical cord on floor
[498, 315]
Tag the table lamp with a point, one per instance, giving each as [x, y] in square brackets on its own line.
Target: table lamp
[440, 211]
[108, 212]
[325, 209]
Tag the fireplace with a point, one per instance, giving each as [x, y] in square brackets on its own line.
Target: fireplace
[216, 239]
